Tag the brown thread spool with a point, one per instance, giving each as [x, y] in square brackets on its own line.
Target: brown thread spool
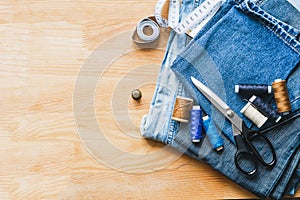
[281, 96]
[182, 109]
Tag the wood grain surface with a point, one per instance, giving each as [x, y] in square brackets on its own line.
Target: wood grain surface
[44, 46]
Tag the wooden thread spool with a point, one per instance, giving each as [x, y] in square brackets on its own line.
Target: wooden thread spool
[281, 96]
[182, 109]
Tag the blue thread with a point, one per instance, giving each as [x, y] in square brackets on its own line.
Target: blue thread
[196, 124]
[255, 89]
[214, 137]
[265, 108]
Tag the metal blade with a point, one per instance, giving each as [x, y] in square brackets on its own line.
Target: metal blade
[219, 104]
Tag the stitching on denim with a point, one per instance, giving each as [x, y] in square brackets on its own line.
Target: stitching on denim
[291, 30]
[278, 193]
[180, 89]
[272, 24]
[170, 132]
[173, 124]
[171, 129]
[238, 1]
[259, 2]
[286, 161]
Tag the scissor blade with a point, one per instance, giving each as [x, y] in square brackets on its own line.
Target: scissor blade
[211, 96]
[219, 104]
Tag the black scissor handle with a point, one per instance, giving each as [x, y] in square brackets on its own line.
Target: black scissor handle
[267, 144]
[250, 136]
[244, 159]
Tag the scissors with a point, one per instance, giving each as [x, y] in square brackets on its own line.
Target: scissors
[247, 156]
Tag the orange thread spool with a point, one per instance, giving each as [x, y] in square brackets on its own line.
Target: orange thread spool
[182, 109]
[281, 96]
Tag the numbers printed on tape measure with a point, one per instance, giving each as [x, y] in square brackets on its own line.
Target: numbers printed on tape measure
[173, 17]
[158, 13]
[196, 28]
[200, 14]
[192, 23]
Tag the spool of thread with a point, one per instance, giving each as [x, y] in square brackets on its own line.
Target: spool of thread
[182, 109]
[281, 96]
[254, 115]
[254, 89]
[212, 133]
[265, 108]
[196, 124]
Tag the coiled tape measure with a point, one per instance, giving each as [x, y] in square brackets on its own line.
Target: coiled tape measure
[140, 36]
[190, 25]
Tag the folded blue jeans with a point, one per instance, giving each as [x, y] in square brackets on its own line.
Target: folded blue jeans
[246, 42]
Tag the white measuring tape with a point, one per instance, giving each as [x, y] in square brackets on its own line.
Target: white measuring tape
[207, 9]
[190, 25]
[147, 31]
[173, 16]
[195, 29]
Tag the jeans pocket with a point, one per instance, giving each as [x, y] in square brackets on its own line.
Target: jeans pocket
[289, 35]
[285, 32]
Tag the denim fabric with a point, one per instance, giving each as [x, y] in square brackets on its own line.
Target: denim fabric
[242, 44]
[157, 124]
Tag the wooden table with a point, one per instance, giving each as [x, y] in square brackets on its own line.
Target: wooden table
[44, 46]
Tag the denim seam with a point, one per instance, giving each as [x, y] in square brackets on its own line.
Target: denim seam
[290, 173]
[259, 2]
[281, 170]
[180, 89]
[293, 43]
[271, 23]
[295, 102]
[171, 130]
